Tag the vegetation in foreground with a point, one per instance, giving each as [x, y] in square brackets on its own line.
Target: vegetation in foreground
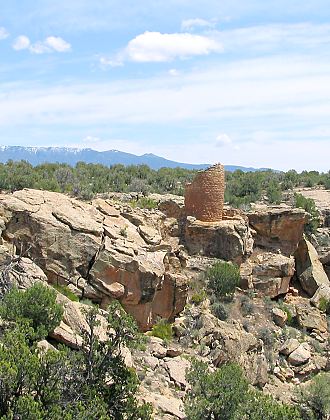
[90, 383]
[225, 394]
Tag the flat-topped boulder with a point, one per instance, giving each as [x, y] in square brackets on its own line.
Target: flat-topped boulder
[277, 227]
[230, 240]
[268, 274]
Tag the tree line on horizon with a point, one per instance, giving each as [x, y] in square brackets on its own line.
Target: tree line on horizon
[85, 180]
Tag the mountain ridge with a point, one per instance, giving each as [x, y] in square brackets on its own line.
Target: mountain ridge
[71, 156]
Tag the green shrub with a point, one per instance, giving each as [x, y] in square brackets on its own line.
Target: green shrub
[123, 232]
[224, 394]
[144, 203]
[223, 278]
[220, 311]
[285, 308]
[274, 193]
[36, 307]
[247, 306]
[162, 330]
[267, 336]
[198, 297]
[88, 302]
[66, 292]
[264, 407]
[315, 398]
[324, 305]
[309, 206]
[91, 382]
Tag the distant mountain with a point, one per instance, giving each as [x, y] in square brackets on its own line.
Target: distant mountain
[37, 155]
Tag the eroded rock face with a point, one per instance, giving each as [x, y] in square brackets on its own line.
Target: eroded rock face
[96, 250]
[278, 227]
[268, 274]
[310, 271]
[230, 240]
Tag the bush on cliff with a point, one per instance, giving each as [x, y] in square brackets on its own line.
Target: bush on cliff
[35, 307]
[309, 206]
[91, 383]
[223, 278]
[315, 398]
[224, 394]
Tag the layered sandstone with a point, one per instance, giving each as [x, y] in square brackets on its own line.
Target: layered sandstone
[277, 227]
[204, 197]
[99, 252]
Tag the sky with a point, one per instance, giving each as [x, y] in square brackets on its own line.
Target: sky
[242, 82]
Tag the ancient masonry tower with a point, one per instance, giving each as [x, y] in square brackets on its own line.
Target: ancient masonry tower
[204, 197]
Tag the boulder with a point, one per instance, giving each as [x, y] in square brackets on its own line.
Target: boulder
[176, 369]
[311, 318]
[321, 242]
[156, 347]
[171, 205]
[230, 240]
[267, 273]
[289, 346]
[277, 227]
[229, 342]
[280, 317]
[150, 235]
[321, 296]
[164, 404]
[65, 335]
[310, 271]
[300, 355]
[61, 234]
[17, 271]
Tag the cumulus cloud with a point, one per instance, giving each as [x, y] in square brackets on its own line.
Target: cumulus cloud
[191, 24]
[57, 44]
[22, 42]
[158, 47]
[3, 33]
[50, 44]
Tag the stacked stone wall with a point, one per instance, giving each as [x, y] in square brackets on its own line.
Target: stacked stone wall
[204, 197]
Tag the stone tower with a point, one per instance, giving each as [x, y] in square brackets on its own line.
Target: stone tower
[204, 196]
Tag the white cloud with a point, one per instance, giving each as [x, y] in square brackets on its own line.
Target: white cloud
[22, 42]
[57, 44]
[39, 48]
[106, 62]
[223, 140]
[268, 106]
[3, 33]
[50, 44]
[274, 36]
[158, 47]
[191, 24]
[174, 72]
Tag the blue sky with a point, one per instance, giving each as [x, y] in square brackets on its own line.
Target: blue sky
[243, 82]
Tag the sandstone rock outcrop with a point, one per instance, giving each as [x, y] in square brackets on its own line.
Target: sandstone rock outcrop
[277, 227]
[97, 250]
[230, 240]
[267, 274]
[310, 271]
[204, 197]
